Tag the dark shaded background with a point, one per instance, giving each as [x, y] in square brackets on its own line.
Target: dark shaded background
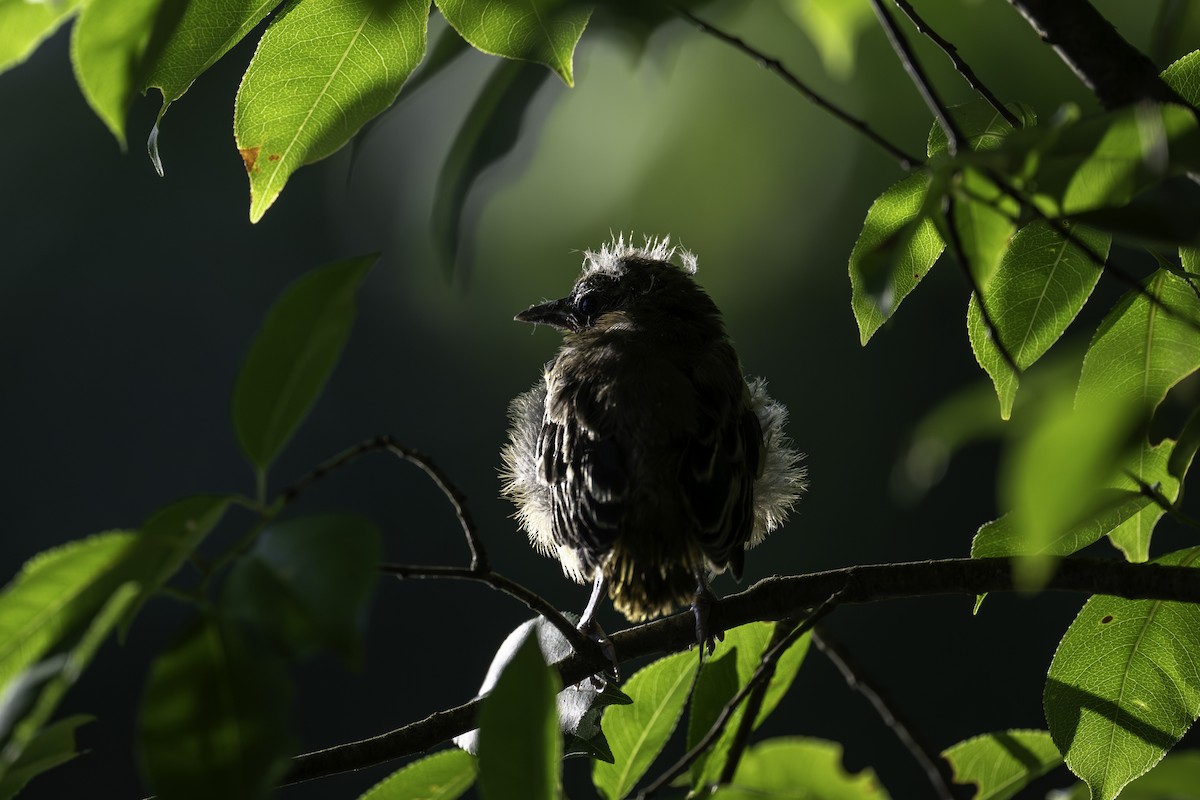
[127, 302]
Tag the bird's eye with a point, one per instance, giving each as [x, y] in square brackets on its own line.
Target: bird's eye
[588, 304]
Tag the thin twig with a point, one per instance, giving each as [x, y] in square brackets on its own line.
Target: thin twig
[962, 66]
[762, 675]
[960, 256]
[479, 559]
[1159, 499]
[954, 136]
[774, 599]
[907, 162]
[935, 768]
[741, 736]
[531, 599]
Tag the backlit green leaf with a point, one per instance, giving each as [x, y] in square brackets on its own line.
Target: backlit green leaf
[441, 776]
[833, 27]
[1041, 285]
[982, 126]
[519, 743]
[1184, 77]
[638, 732]
[25, 25]
[1124, 685]
[797, 768]
[293, 355]
[545, 31]
[1001, 764]
[984, 219]
[1132, 536]
[321, 70]
[896, 248]
[214, 719]
[1001, 537]
[53, 746]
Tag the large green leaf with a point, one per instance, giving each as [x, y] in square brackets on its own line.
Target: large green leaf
[56, 593]
[896, 248]
[321, 70]
[205, 31]
[797, 768]
[1042, 283]
[107, 48]
[1142, 349]
[441, 776]
[306, 584]
[25, 25]
[293, 355]
[1002, 764]
[214, 719]
[519, 742]
[638, 732]
[984, 220]
[53, 746]
[1124, 685]
[544, 31]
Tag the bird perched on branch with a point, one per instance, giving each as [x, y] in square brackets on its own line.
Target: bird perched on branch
[643, 460]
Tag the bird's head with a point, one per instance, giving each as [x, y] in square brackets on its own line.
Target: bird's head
[635, 287]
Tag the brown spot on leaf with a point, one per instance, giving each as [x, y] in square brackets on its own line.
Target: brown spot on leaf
[249, 156]
[1107, 619]
[273, 157]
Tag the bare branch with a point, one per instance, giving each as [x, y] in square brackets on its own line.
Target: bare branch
[907, 162]
[963, 67]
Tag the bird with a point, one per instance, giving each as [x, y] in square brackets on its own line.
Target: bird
[644, 460]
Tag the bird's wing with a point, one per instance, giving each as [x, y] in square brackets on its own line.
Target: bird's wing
[717, 474]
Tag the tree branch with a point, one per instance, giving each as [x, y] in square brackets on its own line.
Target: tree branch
[1116, 71]
[774, 599]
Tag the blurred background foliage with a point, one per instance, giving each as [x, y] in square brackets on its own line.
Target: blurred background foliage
[128, 301]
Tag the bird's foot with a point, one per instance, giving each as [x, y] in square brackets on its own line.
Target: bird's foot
[701, 605]
[591, 629]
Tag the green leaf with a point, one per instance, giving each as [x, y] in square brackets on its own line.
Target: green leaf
[30, 701]
[54, 595]
[543, 31]
[1002, 764]
[1141, 350]
[1054, 478]
[52, 747]
[1177, 777]
[441, 776]
[214, 717]
[490, 130]
[796, 768]
[729, 669]
[107, 48]
[637, 733]
[206, 30]
[293, 355]
[1124, 685]
[519, 742]
[896, 248]
[1001, 537]
[25, 25]
[1184, 77]
[833, 27]
[1132, 536]
[980, 124]
[322, 69]
[984, 220]
[306, 584]
[168, 539]
[1041, 285]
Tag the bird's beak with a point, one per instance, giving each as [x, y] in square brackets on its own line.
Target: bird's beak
[557, 313]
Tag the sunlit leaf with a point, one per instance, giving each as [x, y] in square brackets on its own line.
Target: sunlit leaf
[1124, 685]
[214, 719]
[293, 355]
[984, 219]
[1042, 283]
[306, 584]
[1144, 347]
[25, 25]
[544, 31]
[519, 742]
[1001, 764]
[107, 48]
[833, 27]
[206, 30]
[1001, 537]
[896, 248]
[980, 124]
[321, 70]
[796, 768]
[1184, 77]
[441, 776]
[637, 733]
[52, 747]
[1149, 465]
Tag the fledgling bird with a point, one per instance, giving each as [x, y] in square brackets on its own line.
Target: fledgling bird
[643, 460]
